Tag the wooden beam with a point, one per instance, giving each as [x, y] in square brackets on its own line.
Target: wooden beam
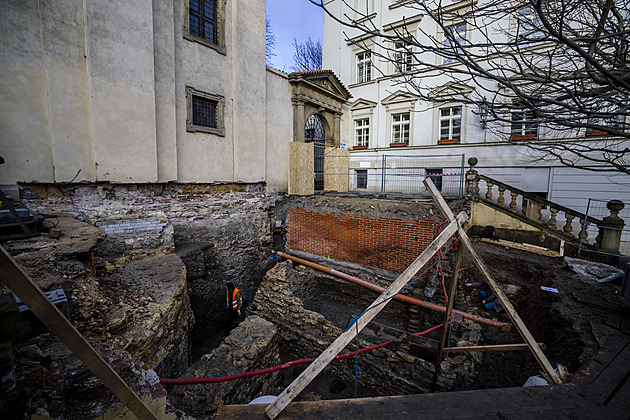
[23, 286]
[498, 347]
[507, 305]
[294, 389]
[447, 317]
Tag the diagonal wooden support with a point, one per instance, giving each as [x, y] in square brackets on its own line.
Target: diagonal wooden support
[23, 286]
[481, 265]
[344, 339]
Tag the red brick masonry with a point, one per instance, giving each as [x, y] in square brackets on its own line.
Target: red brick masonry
[387, 243]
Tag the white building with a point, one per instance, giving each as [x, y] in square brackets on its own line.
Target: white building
[385, 118]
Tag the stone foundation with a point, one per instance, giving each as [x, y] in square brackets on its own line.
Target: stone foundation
[251, 346]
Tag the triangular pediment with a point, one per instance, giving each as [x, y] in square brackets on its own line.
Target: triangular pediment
[362, 103]
[399, 96]
[323, 80]
[451, 90]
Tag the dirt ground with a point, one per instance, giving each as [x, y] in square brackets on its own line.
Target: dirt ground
[573, 323]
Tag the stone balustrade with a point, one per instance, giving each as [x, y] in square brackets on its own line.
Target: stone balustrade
[540, 212]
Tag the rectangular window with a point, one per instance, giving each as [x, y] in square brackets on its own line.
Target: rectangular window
[435, 175]
[203, 19]
[528, 24]
[450, 124]
[362, 178]
[402, 58]
[523, 125]
[364, 67]
[204, 112]
[453, 36]
[361, 132]
[400, 128]
[604, 118]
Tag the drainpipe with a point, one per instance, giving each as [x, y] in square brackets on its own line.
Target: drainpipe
[497, 324]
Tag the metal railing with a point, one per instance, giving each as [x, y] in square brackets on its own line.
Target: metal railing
[612, 234]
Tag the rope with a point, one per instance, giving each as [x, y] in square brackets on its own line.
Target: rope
[356, 359]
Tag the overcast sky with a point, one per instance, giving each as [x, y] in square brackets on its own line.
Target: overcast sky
[293, 19]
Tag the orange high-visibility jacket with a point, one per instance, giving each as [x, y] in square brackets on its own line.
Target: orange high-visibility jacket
[237, 300]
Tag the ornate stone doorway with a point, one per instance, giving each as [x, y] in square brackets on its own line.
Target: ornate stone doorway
[314, 132]
[317, 98]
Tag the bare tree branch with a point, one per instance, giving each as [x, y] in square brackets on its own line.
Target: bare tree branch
[561, 66]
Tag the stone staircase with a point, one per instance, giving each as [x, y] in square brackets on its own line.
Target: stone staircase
[524, 217]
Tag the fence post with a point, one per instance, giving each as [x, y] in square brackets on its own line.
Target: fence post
[610, 230]
[472, 179]
[384, 164]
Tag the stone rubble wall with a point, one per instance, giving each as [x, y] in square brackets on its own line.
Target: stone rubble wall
[307, 334]
[251, 346]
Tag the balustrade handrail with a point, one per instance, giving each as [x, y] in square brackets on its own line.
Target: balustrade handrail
[542, 201]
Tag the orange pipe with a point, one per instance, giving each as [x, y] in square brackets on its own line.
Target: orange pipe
[491, 322]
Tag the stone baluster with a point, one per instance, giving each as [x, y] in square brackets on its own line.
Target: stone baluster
[537, 211]
[513, 202]
[501, 198]
[584, 228]
[568, 226]
[472, 179]
[553, 222]
[490, 185]
[611, 228]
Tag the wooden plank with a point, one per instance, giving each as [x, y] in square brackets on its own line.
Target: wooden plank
[507, 305]
[347, 336]
[523, 247]
[386, 332]
[23, 286]
[527, 402]
[447, 317]
[14, 212]
[498, 347]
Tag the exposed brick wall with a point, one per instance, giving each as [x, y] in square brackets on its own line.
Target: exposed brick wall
[387, 243]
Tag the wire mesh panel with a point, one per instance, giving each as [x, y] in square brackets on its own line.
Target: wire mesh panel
[398, 174]
[601, 210]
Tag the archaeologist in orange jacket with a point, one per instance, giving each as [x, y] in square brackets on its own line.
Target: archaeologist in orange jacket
[234, 305]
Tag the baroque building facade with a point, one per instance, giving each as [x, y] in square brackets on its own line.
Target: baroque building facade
[141, 91]
[386, 118]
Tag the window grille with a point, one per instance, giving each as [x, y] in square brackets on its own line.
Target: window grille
[451, 123]
[362, 178]
[203, 19]
[364, 67]
[204, 112]
[400, 128]
[435, 175]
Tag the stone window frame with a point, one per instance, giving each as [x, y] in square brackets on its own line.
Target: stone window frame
[219, 45]
[219, 130]
[436, 121]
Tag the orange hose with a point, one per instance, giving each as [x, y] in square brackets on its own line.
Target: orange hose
[491, 322]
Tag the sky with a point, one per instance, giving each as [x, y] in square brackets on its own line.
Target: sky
[293, 19]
